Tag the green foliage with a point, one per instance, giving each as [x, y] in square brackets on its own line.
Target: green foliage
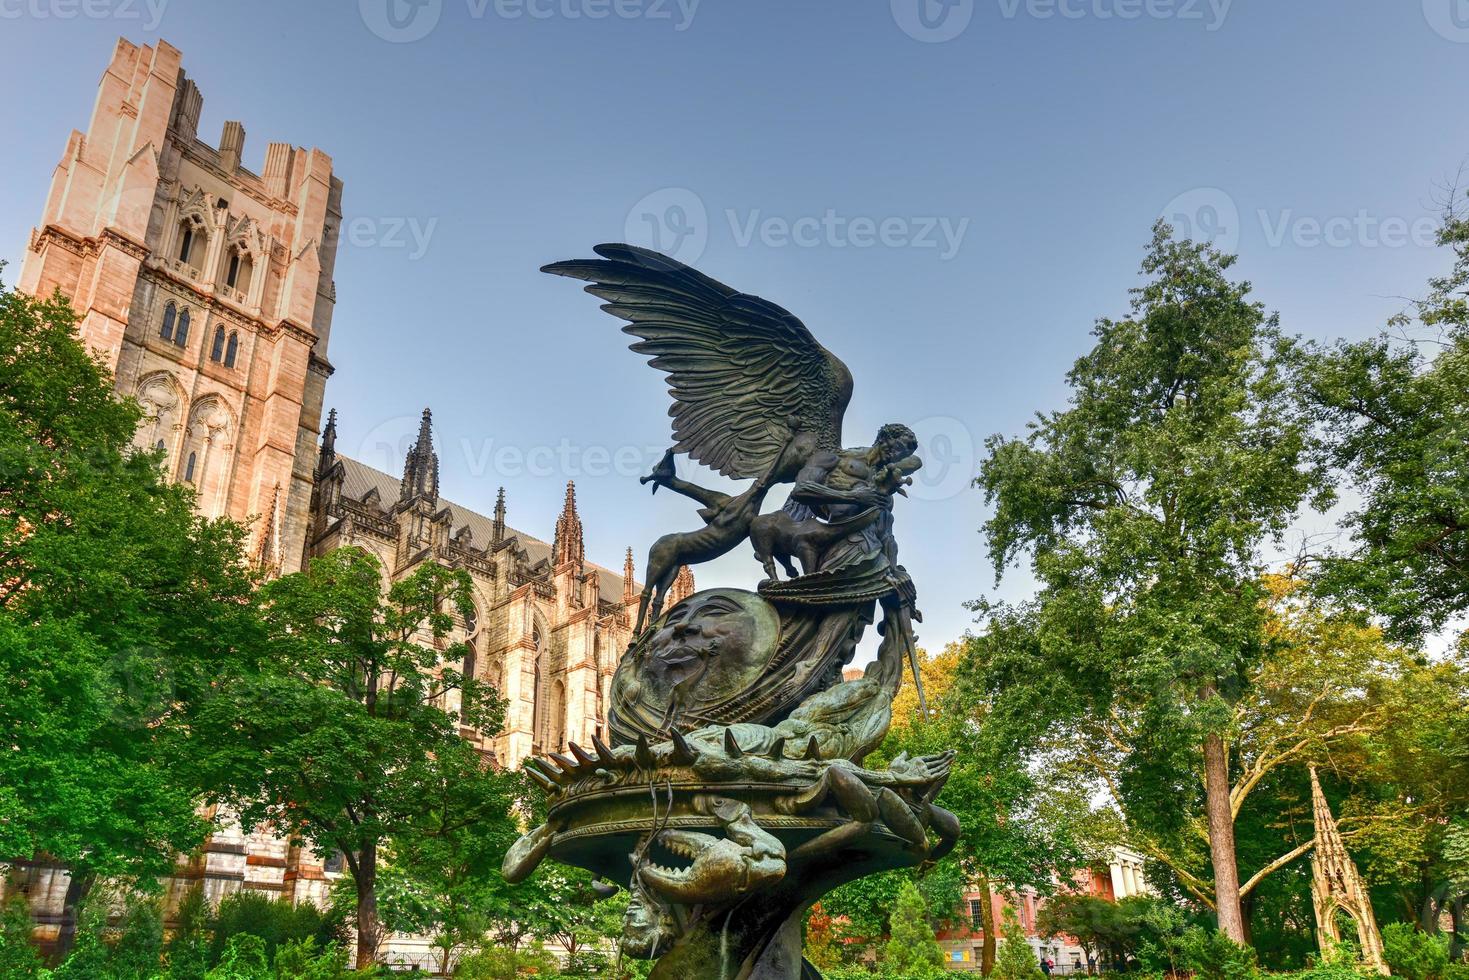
[88, 957]
[1412, 954]
[274, 923]
[187, 951]
[1016, 959]
[1212, 955]
[342, 738]
[304, 959]
[501, 963]
[243, 959]
[912, 950]
[120, 608]
[138, 948]
[1339, 964]
[18, 957]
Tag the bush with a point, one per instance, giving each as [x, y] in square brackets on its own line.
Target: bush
[188, 950]
[302, 959]
[502, 963]
[1339, 964]
[1214, 956]
[276, 923]
[1015, 960]
[243, 958]
[18, 957]
[1414, 955]
[912, 951]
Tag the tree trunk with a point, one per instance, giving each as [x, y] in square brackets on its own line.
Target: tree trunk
[78, 887]
[987, 914]
[368, 929]
[1221, 839]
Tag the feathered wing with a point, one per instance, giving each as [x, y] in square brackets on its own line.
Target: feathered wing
[745, 375]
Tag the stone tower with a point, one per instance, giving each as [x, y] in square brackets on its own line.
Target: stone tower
[1336, 887]
[206, 288]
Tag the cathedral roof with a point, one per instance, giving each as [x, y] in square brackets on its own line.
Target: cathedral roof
[359, 478]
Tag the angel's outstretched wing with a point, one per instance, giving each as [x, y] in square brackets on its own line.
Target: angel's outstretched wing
[745, 375]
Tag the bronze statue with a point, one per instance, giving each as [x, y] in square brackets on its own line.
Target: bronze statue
[734, 793]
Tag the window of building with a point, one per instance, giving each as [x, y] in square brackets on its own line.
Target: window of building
[169, 315]
[181, 335]
[186, 242]
[216, 350]
[232, 349]
[335, 863]
[976, 913]
[189, 467]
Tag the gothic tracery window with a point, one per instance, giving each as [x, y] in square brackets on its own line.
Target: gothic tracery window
[232, 349]
[181, 334]
[216, 350]
[170, 314]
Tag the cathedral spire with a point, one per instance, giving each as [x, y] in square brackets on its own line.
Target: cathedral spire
[328, 443]
[569, 546]
[683, 585]
[629, 587]
[421, 466]
[497, 528]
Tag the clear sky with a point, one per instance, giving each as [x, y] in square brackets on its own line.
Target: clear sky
[947, 192]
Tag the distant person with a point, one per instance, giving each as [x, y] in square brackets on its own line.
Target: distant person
[1045, 966]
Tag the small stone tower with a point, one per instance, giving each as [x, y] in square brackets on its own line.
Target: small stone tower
[1337, 887]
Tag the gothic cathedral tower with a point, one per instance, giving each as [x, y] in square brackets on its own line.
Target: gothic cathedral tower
[205, 287]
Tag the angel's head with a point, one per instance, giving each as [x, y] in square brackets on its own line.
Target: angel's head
[895, 441]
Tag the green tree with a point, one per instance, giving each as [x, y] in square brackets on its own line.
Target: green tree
[187, 951]
[18, 956]
[119, 609]
[1146, 506]
[343, 733]
[1396, 415]
[912, 951]
[1016, 959]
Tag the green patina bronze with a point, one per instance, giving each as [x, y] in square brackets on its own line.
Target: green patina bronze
[733, 794]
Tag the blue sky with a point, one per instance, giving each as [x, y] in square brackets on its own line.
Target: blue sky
[947, 194]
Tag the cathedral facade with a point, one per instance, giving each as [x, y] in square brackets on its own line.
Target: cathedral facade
[207, 290]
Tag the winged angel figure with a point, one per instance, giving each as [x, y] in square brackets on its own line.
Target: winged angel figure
[755, 397]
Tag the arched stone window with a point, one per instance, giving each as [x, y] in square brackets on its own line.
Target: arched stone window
[181, 335]
[170, 314]
[193, 241]
[209, 448]
[216, 350]
[189, 467]
[232, 349]
[239, 266]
